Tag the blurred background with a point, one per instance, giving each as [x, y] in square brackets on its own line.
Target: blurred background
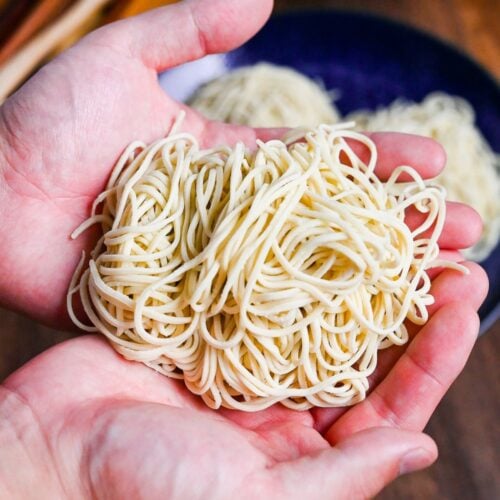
[466, 425]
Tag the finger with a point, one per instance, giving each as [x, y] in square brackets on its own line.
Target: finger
[393, 149]
[186, 31]
[462, 227]
[325, 417]
[217, 133]
[411, 391]
[268, 134]
[425, 155]
[446, 256]
[450, 286]
[358, 467]
[454, 286]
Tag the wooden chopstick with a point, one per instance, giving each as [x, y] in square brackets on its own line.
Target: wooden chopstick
[12, 13]
[74, 22]
[45, 11]
[14, 71]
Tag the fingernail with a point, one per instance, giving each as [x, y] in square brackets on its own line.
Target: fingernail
[416, 459]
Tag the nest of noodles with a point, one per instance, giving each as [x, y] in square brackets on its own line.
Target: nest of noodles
[259, 277]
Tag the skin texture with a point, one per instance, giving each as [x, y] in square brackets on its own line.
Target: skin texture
[81, 422]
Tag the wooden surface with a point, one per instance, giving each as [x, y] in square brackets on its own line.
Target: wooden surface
[466, 424]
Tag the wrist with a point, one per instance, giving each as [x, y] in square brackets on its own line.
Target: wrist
[27, 468]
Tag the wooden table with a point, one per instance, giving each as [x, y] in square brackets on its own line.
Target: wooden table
[466, 424]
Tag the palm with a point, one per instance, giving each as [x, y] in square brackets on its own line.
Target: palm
[77, 115]
[116, 427]
[123, 406]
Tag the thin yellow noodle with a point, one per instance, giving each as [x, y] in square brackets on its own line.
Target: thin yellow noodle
[260, 277]
[472, 173]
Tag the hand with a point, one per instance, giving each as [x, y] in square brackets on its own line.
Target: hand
[62, 132]
[80, 421]
[85, 420]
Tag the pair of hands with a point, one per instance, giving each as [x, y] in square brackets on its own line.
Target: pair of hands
[80, 421]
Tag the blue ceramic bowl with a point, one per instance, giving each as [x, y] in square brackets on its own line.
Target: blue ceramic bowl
[372, 61]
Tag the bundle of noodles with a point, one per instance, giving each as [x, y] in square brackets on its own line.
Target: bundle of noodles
[260, 277]
[472, 173]
[265, 95]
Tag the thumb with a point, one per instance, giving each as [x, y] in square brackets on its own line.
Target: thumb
[185, 31]
[357, 467]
